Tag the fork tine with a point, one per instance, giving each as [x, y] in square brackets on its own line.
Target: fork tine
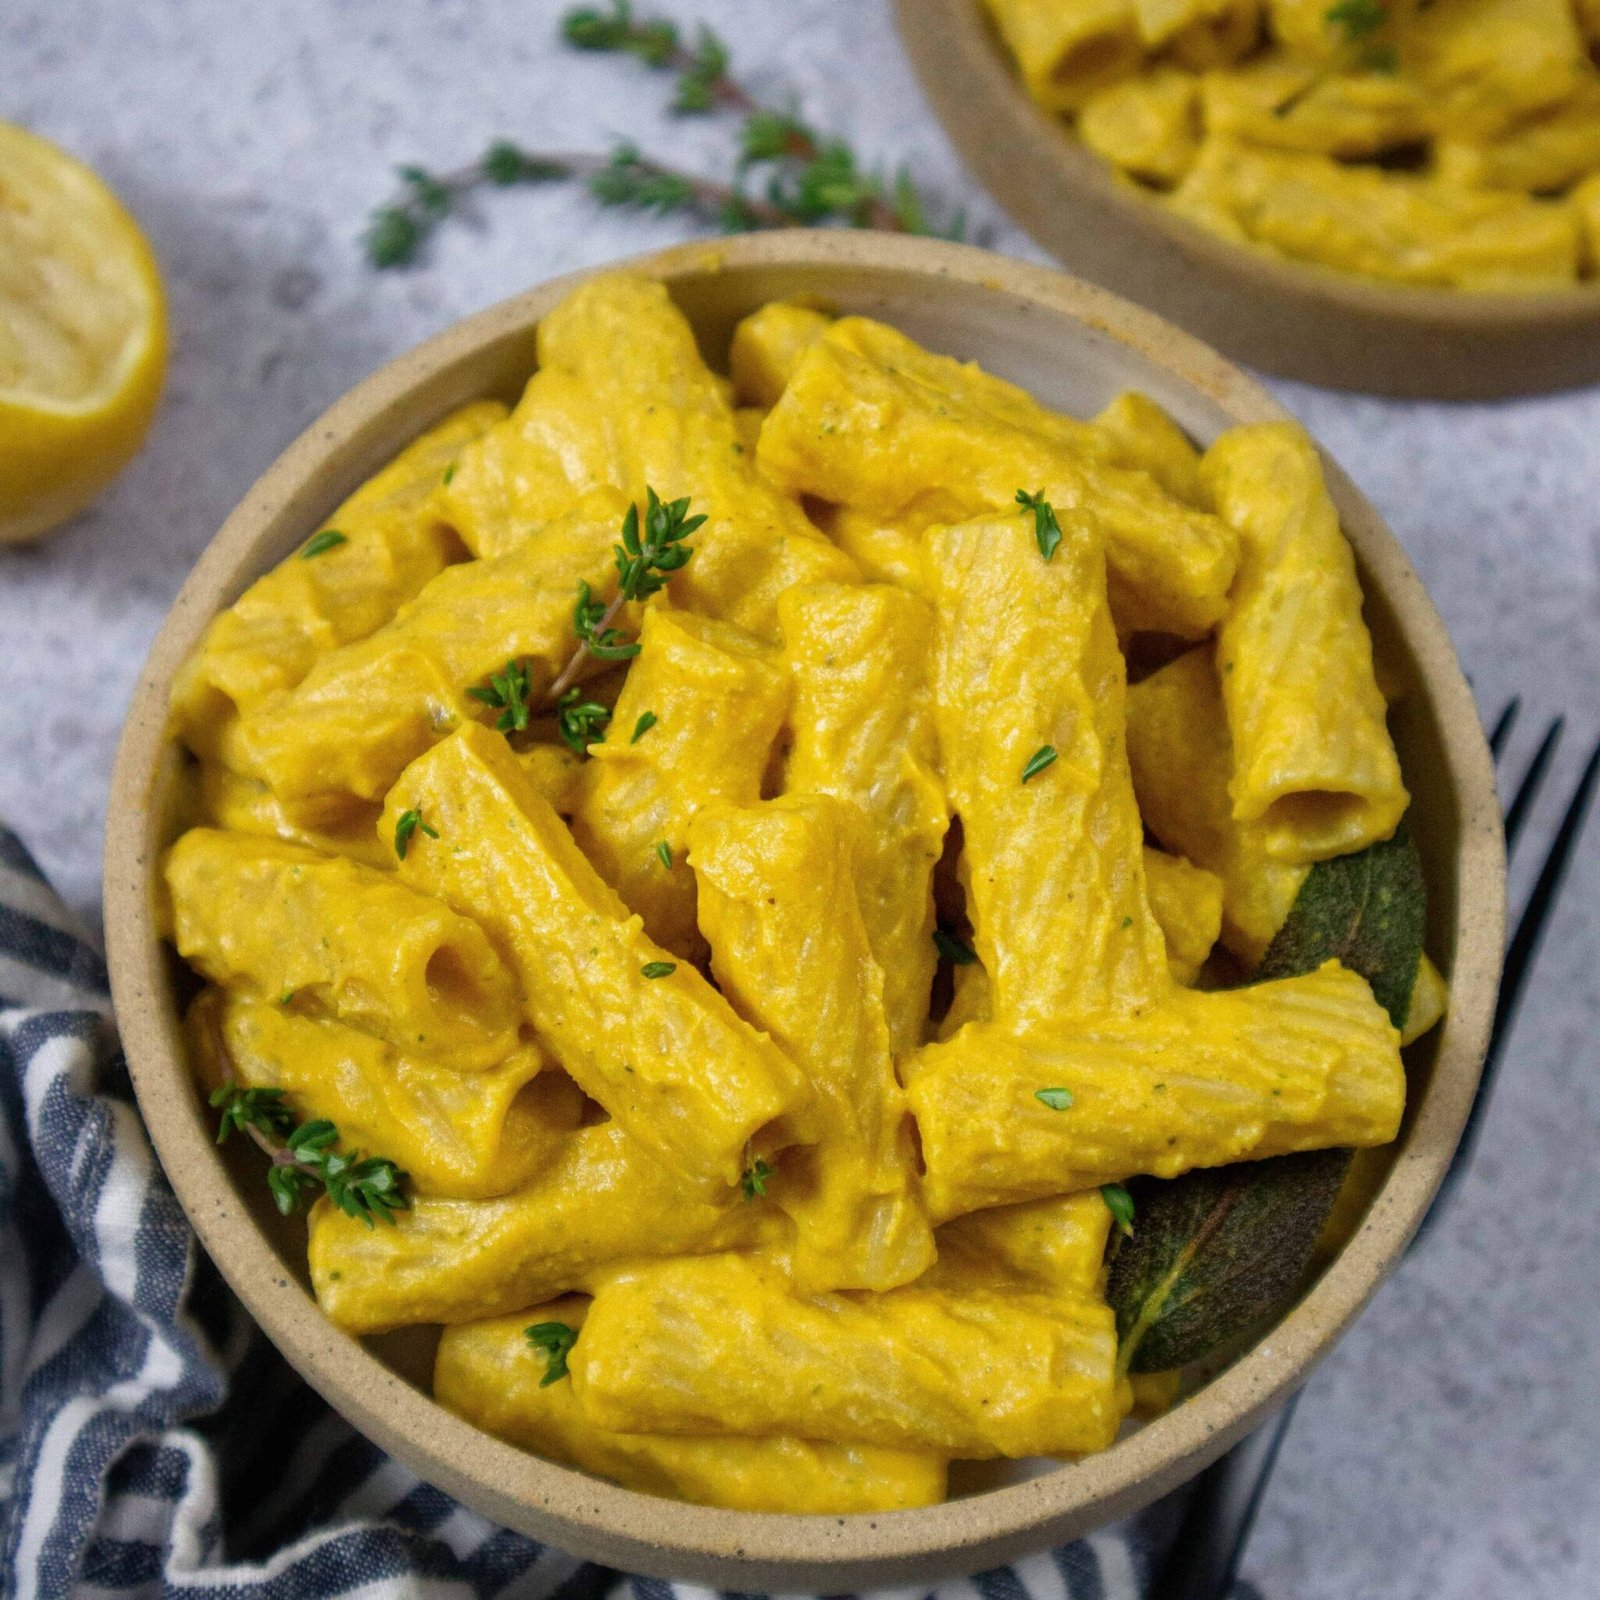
[1532, 781]
[1520, 955]
[1503, 724]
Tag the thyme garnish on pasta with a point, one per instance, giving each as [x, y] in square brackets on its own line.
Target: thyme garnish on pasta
[306, 1159]
[407, 825]
[580, 722]
[954, 950]
[644, 563]
[1357, 22]
[1120, 1204]
[807, 177]
[1056, 1099]
[320, 543]
[556, 1339]
[1046, 530]
[753, 1184]
[509, 691]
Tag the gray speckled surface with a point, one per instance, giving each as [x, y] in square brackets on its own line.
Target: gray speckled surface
[1448, 1447]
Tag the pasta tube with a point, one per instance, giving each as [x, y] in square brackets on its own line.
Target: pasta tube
[727, 1342]
[767, 347]
[280, 921]
[365, 711]
[873, 421]
[1186, 902]
[1544, 155]
[717, 697]
[601, 1201]
[778, 901]
[1313, 761]
[885, 550]
[1288, 103]
[1391, 225]
[393, 543]
[463, 1135]
[1202, 1080]
[1055, 1246]
[1067, 49]
[1145, 437]
[862, 728]
[1182, 760]
[1025, 661]
[239, 804]
[489, 1373]
[661, 1050]
[623, 398]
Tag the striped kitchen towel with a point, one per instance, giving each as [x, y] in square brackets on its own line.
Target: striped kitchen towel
[153, 1444]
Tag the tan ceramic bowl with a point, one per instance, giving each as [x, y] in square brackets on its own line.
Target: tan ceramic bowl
[1074, 346]
[1301, 321]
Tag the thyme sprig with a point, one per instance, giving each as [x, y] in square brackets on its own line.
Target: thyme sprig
[805, 177]
[644, 562]
[556, 1340]
[1357, 22]
[507, 690]
[306, 1159]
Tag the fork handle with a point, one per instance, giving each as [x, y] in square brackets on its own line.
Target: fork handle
[1204, 1557]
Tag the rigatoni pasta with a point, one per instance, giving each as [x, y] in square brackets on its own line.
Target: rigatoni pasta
[719, 950]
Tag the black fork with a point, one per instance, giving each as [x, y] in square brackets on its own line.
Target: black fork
[1204, 1559]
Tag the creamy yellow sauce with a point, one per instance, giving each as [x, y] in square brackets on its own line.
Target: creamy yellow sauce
[661, 1026]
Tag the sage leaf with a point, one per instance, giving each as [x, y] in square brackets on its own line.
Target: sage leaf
[1222, 1253]
[1218, 1254]
[1368, 910]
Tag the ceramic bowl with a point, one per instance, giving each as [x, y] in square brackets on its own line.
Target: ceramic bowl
[1301, 321]
[1075, 347]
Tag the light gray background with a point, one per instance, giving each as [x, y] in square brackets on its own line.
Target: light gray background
[1449, 1447]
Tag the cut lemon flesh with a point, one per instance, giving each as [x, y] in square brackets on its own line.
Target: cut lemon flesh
[83, 335]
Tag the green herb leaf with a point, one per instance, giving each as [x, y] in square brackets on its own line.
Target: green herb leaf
[1357, 19]
[1370, 911]
[698, 83]
[595, 634]
[393, 237]
[405, 826]
[753, 1185]
[580, 722]
[449, 474]
[504, 164]
[1219, 1254]
[645, 723]
[556, 1339]
[659, 969]
[664, 854]
[645, 563]
[321, 543]
[953, 949]
[628, 179]
[593, 28]
[1046, 530]
[1120, 1204]
[1056, 1099]
[261, 1109]
[509, 690]
[1038, 761]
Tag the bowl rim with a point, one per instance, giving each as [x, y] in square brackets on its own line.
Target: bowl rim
[621, 1527]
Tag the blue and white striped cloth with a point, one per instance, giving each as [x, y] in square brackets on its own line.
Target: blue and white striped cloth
[153, 1444]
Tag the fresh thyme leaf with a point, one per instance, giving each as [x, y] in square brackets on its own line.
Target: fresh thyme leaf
[242, 1109]
[753, 1184]
[594, 28]
[953, 949]
[1038, 761]
[1056, 1099]
[1120, 1204]
[505, 164]
[659, 969]
[595, 633]
[645, 723]
[405, 826]
[1357, 19]
[664, 854]
[776, 136]
[644, 564]
[628, 179]
[429, 193]
[1046, 530]
[509, 691]
[320, 543]
[580, 722]
[306, 1157]
[556, 1339]
[697, 84]
[393, 237]
[449, 473]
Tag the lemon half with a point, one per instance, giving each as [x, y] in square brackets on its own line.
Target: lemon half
[83, 335]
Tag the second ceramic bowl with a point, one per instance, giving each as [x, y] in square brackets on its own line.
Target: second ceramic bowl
[1301, 321]
[1075, 347]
